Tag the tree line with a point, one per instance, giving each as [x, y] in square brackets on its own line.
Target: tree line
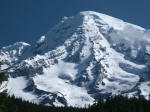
[112, 104]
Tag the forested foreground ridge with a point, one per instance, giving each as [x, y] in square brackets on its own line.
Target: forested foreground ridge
[116, 104]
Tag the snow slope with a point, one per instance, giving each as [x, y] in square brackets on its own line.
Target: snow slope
[82, 58]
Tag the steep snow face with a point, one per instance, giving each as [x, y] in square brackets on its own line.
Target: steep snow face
[82, 58]
[16, 52]
[16, 87]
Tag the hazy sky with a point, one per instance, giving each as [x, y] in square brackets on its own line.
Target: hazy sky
[27, 20]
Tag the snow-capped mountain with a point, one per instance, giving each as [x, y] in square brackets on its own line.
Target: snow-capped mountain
[82, 58]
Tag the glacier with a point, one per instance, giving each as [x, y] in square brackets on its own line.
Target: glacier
[82, 58]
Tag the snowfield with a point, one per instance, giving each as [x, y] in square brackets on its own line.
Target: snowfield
[82, 58]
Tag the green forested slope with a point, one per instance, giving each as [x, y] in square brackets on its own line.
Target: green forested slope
[116, 104]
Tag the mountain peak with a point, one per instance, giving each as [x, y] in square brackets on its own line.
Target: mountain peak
[109, 20]
[90, 54]
[88, 21]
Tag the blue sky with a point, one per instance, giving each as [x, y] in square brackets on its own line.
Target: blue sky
[27, 20]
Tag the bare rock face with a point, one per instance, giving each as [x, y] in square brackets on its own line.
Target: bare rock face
[82, 58]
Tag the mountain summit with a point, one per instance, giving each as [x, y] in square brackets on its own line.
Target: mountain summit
[82, 58]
